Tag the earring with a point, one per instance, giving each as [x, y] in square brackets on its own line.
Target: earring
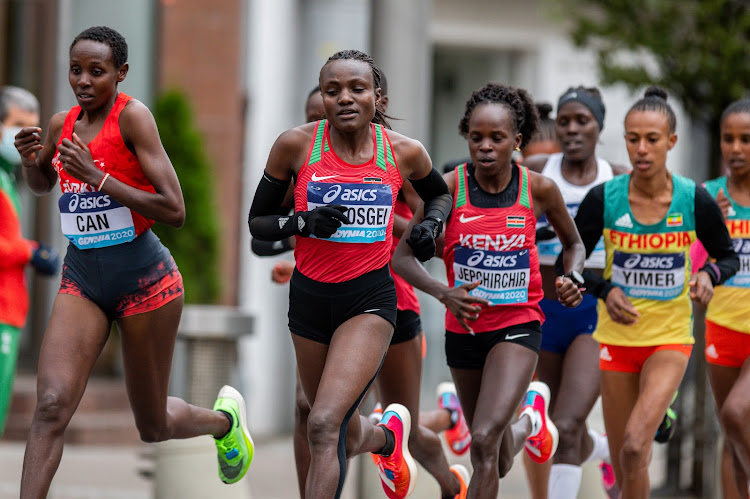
[518, 149]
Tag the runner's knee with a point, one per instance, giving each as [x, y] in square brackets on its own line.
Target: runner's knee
[569, 448]
[485, 445]
[301, 409]
[323, 429]
[734, 421]
[53, 410]
[635, 452]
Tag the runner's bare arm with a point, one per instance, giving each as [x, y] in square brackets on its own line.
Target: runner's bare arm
[38, 172]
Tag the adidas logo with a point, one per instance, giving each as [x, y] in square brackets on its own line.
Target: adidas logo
[731, 212]
[300, 223]
[283, 221]
[624, 221]
[604, 354]
[711, 351]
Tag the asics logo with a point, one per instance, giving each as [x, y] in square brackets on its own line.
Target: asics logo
[385, 478]
[316, 178]
[532, 448]
[464, 219]
[86, 203]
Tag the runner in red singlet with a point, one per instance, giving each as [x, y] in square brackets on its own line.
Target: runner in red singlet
[342, 309]
[493, 317]
[116, 180]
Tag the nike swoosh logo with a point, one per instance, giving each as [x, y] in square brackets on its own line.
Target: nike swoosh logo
[229, 470]
[464, 219]
[371, 310]
[514, 336]
[326, 177]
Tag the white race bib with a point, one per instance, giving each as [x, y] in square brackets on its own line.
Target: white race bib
[95, 220]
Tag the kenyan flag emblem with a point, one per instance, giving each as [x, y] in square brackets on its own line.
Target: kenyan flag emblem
[515, 222]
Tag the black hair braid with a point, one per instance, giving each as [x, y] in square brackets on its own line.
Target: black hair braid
[107, 35]
[380, 117]
[655, 99]
[741, 106]
[546, 129]
[518, 100]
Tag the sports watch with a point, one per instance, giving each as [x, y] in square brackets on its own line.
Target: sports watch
[576, 277]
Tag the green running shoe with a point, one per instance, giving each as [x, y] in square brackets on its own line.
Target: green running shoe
[668, 425]
[235, 449]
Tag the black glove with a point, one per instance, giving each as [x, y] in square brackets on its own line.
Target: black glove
[323, 221]
[422, 238]
[545, 233]
[45, 260]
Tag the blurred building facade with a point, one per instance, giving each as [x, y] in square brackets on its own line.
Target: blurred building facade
[248, 65]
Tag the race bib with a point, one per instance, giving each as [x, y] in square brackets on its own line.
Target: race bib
[504, 275]
[742, 278]
[655, 276]
[95, 220]
[368, 208]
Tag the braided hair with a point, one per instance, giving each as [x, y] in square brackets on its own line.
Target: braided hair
[546, 129]
[104, 34]
[380, 117]
[518, 100]
[655, 99]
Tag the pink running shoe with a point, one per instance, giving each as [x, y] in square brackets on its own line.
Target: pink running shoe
[542, 442]
[398, 472]
[457, 436]
[608, 479]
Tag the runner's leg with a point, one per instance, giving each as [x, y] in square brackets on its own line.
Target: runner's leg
[335, 378]
[74, 338]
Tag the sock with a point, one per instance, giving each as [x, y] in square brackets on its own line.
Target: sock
[231, 423]
[600, 450]
[454, 417]
[535, 418]
[564, 481]
[390, 442]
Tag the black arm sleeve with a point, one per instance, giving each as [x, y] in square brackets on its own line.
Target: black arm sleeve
[712, 232]
[436, 196]
[264, 222]
[590, 224]
[270, 248]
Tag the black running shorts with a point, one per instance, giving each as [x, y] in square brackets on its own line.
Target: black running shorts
[317, 309]
[408, 326]
[466, 351]
[125, 279]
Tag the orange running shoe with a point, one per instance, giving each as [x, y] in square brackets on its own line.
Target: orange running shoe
[398, 472]
[463, 477]
[458, 435]
[542, 442]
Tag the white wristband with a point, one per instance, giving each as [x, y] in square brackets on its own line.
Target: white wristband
[99, 187]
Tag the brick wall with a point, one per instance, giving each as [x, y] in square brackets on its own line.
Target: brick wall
[200, 52]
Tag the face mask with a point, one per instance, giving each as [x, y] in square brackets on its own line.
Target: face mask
[9, 157]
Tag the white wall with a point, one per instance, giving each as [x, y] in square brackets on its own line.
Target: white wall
[288, 41]
[550, 64]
